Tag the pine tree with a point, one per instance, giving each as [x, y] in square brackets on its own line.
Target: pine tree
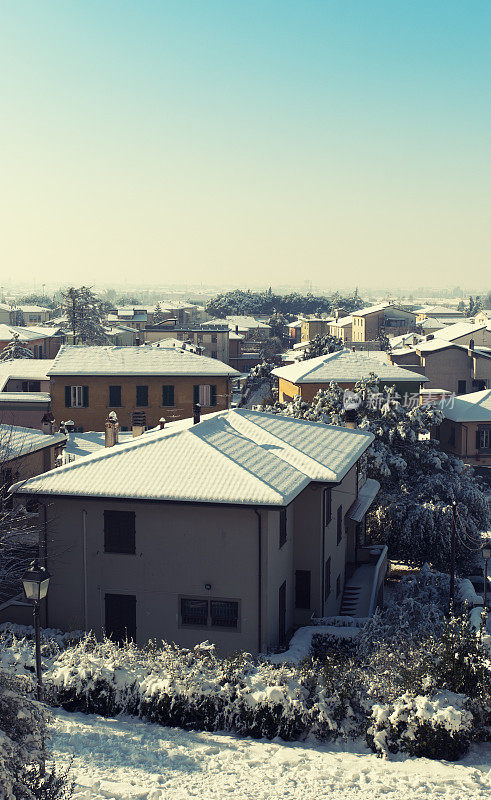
[158, 314]
[84, 316]
[15, 349]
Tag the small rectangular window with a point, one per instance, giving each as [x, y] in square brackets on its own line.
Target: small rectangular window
[119, 532]
[339, 524]
[461, 387]
[194, 612]
[327, 507]
[302, 588]
[142, 395]
[204, 395]
[327, 578]
[224, 613]
[213, 338]
[115, 396]
[282, 527]
[485, 439]
[167, 395]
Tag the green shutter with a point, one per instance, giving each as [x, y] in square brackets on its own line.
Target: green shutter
[478, 439]
[85, 396]
[196, 394]
[67, 396]
[213, 395]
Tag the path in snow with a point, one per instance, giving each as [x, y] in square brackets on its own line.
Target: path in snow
[125, 758]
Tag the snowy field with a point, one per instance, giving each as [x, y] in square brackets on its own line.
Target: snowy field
[119, 759]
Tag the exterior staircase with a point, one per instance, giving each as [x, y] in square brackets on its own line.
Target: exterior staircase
[350, 601]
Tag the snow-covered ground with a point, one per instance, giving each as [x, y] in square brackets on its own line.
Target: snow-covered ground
[125, 758]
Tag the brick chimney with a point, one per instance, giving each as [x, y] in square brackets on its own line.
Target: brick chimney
[196, 413]
[48, 423]
[111, 430]
[162, 423]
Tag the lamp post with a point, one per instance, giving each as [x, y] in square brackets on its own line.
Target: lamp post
[486, 554]
[35, 581]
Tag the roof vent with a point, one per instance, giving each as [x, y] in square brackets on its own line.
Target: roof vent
[111, 430]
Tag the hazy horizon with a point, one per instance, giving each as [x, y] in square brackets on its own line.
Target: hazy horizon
[246, 144]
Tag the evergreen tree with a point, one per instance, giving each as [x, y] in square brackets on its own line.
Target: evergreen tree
[84, 316]
[158, 314]
[15, 349]
[322, 346]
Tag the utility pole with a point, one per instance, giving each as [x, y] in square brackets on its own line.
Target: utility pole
[452, 559]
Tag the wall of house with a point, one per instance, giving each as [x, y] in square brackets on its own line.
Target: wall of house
[93, 417]
[307, 391]
[460, 439]
[25, 415]
[16, 385]
[32, 464]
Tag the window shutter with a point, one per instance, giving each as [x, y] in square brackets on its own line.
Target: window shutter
[195, 394]
[213, 395]
[85, 395]
[478, 439]
[67, 396]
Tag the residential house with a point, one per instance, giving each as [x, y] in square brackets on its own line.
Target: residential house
[294, 331]
[344, 367]
[466, 429]
[440, 312]
[213, 340]
[342, 328]
[25, 375]
[26, 452]
[236, 530]
[43, 342]
[386, 319]
[140, 384]
[467, 333]
[31, 315]
[314, 326]
[447, 365]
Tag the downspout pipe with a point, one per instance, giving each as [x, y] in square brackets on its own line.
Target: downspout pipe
[84, 528]
[44, 558]
[259, 578]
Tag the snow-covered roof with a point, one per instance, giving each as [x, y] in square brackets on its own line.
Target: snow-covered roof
[297, 324]
[398, 342]
[112, 360]
[451, 332]
[238, 457]
[25, 397]
[16, 441]
[31, 309]
[473, 407]
[363, 312]
[246, 322]
[83, 444]
[28, 369]
[436, 311]
[431, 322]
[347, 366]
[25, 334]
[366, 496]
[342, 321]
[177, 343]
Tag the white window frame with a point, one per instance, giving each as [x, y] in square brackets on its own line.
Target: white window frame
[485, 439]
[76, 396]
[205, 394]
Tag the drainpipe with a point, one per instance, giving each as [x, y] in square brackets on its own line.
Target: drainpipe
[44, 557]
[259, 578]
[84, 526]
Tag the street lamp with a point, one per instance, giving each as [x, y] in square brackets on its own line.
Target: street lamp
[35, 581]
[486, 554]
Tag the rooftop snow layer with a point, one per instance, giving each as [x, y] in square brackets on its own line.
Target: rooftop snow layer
[347, 366]
[239, 457]
[16, 441]
[473, 407]
[107, 360]
[29, 369]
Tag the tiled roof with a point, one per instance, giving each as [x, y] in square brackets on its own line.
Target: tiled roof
[16, 441]
[346, 365]
[236, 457]
[80, 360]
[362, 312]
[473, 407]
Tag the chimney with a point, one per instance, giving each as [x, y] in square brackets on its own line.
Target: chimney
[48, 423]
[196, 413]
[111, 430]
[162, 423]
[351, 418]
[236, 329]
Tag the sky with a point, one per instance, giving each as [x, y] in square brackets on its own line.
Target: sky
[246, 142]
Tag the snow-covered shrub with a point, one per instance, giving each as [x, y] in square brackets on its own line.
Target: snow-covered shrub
[439, 726]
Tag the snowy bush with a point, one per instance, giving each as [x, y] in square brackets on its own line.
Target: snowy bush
[439, 726]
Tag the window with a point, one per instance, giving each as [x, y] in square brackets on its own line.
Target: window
[76, 396]
[213, 338]
[115, 396]
[483, 437]
[451, 438]
[120, 617]
[339, 523]
[224, 613]
[167, 395]
[203, 613]
[119, 532]
[282, 527]
[214, 353]
[302, 588]
[327, 507]
[338, 585]
[142, 395]
[462, 387]
[327, 578]
[31, 386]
[205, 395]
